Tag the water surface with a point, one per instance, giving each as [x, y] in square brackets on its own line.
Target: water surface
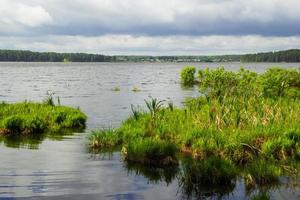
[61, 168]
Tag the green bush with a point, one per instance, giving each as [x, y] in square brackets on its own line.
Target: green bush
[278, 82]
[188, 76]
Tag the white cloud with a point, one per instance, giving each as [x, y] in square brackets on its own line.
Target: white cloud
[154, 17]
[162, 45]
[150, 26]
[15, 13]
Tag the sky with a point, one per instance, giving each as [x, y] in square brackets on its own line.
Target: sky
[150, 27]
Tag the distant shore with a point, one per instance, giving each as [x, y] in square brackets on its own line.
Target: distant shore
[292, 55]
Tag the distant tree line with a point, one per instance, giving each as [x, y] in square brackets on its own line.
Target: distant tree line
[292, 55]
[29, 56]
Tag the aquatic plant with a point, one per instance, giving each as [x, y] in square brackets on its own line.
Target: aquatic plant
[153, 105]
[209, 177]
[151, 152]
[261, 172]
[135, 112]
[136, 89]
[187, 75]
[235, 120]
[34, 118]
[211, 171]
[104, 138]
[116, 89]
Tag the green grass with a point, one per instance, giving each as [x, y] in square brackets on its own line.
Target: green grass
[151, 152]
[35, 118]
[238, 118]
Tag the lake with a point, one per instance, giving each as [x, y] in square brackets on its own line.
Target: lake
[62, 167]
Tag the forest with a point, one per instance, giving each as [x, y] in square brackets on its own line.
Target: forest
[292, 55]
[29, 56]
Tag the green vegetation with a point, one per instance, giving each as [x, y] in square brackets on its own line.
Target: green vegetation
[151, 152]
[188, 76]
[292, 55]
[29, 118]
[209, 172]
[241, 120]
[116, 89]
[209, 177]
[136, 89]
[29, 56]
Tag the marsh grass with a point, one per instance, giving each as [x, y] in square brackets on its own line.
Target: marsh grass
[104, 139]
[35, 118]
[241, 117]
[261, 172]
[150, 152]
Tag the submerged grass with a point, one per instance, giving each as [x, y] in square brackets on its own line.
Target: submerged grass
[241, 116]
[34, 118]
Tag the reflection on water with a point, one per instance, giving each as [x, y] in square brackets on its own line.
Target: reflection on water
[153, 174]
[33, 141]
[60, 167]
[29, 142]
[198, 180]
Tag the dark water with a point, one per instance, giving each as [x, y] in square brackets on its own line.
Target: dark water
[61, 167]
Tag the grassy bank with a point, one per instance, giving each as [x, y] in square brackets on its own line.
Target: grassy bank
[29, 118]
[240, 117]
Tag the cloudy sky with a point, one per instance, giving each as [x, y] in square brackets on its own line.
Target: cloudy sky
[152, 27]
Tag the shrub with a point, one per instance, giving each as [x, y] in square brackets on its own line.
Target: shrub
[278, 82]
[188, 76]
